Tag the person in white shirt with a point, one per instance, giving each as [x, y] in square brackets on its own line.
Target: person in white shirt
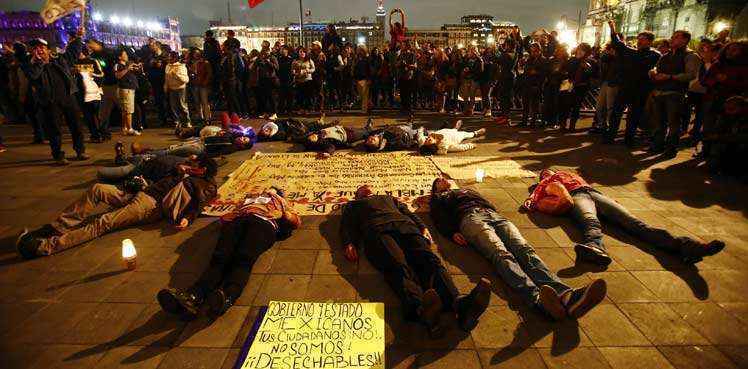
[90, 93]
[446, 140]
[302, 69]
[175, 85]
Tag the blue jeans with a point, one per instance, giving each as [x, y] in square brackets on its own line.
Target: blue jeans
[588, 204]
[497, 239]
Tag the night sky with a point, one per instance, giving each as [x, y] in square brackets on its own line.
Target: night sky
[194, 14]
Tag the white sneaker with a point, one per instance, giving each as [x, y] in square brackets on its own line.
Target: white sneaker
[188, 125]
[133, 132]
[273, 117]
[487, 114]
[264, 116]
[442, 111]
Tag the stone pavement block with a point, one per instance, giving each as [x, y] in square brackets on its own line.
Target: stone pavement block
[333, 261]
[633, 258]
[661, 325]
[738, 354]
[624, 287]
[727, 285]
[509, 359]
[246, 326]
[251, 289]
[265, 262]
[52, 323]
[20, 356]
[561, 336]
[107, 322]
[39, 286]
[605, 325]
[635, 358]
[374, 288]
[205, 332]
[696, 357]
[14, 314]
[152, 328]
[140, 287]
[538, 238]
[736, 309]
[130, 357]
[713, 322]
[467, 359]
[95, 287]
[282, 287]
[555, 258]
[500, 327]
[686, 285]
[230, 360]
[579, 358]
[64, 357]
[303, 239]
[84, 258]
[332, 288]
[194, 358]
[293, 261]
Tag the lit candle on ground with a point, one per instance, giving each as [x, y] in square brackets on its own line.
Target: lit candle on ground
[479, 174]
[129, 255]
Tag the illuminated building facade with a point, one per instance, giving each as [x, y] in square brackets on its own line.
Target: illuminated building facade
[478, 29]
[703, 18]
[112, 30]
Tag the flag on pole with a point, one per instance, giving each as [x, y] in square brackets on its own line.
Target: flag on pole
[56, 9]
[253, 3]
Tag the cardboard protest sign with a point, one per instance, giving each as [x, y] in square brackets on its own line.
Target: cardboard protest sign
[56, 9]
[309, 335]
[463, 167]
[318, 187]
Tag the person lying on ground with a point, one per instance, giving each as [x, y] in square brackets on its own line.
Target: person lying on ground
[467, 218]
[246, 233]
[398, 244]
[447, 140]
[561, 193]
[327, 140]
[179, 198]
[291, 130]
[393, 138]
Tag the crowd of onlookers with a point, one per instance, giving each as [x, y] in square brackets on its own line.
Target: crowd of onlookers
[663, 87]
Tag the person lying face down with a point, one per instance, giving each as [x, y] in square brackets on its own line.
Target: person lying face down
[392, 138]
[585, 203]
[467, 218]
[246, 233]
[398, 244]
[178, 197]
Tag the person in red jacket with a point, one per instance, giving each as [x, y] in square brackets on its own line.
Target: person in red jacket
[588, 203]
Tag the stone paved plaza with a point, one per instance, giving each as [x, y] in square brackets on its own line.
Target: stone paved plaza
[82, 309]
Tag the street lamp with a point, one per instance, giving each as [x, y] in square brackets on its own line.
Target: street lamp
[361, 40]
[721, 26]
[114, 19]
[97, 17]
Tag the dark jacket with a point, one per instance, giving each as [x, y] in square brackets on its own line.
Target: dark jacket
[397, 138]
[211, 50]
[581, 72]
[42, 82]
[201, 191]
[450, 207]
[634, 65]
[362, 216]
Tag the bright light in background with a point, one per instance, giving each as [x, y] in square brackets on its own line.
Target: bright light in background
[97, 17]
[721, 26]
[127, 22]
[561, 25]
[361, 40]
[568, 38]
[474, 43]
[490, 39]
[154, 26]
[114, 19]
[460, 46]
[140, 23]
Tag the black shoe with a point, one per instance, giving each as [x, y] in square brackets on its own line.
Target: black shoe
[181, 303]
[592, 255]
[655, 150]
[693, 252]
[471, 307]
[27, 245]
[429, 312]
[61, 161]
[218, 302]
[581, 300]
[550, 303]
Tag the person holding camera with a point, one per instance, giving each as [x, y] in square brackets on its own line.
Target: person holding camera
[266, 66]
[53, 90]
[127, 83]
[175, 85]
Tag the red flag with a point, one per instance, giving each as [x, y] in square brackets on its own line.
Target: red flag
[253, 3]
